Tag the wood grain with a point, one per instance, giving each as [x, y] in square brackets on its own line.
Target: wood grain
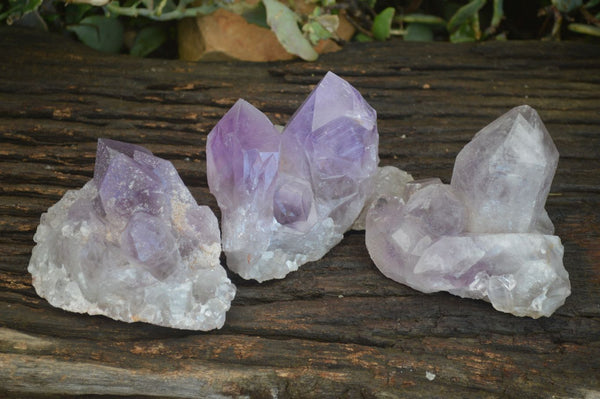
[336, 328]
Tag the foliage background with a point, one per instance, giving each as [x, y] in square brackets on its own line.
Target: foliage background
[148, 27]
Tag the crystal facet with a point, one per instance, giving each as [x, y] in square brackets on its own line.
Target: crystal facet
[486, 235]
[390, 182]
[287, 198]
[133, 245]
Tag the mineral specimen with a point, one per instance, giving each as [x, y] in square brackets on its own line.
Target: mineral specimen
[287, 198]
[389, 181]
[486, 235]
[133, 245]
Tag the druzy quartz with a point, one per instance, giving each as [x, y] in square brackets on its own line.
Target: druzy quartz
[486, 235]
[133, 245]
[287, 198]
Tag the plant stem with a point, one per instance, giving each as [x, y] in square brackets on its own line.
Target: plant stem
[178, 13]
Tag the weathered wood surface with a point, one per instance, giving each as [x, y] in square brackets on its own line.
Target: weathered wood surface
[336, 328]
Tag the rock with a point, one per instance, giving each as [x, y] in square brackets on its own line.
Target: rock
[133, 245]
[486, 235]
[287, 198]
[224, 35]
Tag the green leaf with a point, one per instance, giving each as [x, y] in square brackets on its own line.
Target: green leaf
[464, 14]
[498, 14]
[382, 24]
[567, 5]
[329, 22]
[315, 32]
[320, 27]
[18, 8]
[75, 12]
[421, 19]
[284, 22]
[257, 15]
[585, 29]
[147, 40]
[362, 38]
[31, 5]
[418, 33]
[465, 33]
[100, 32]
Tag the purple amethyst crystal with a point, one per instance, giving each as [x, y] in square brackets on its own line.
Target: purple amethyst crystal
[287, 198]
[486, 235]
[133, 245]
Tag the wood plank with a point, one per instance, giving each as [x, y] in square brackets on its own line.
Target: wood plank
[337, 327]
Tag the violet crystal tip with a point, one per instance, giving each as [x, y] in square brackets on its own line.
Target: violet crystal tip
[133, 245]
[287, 198]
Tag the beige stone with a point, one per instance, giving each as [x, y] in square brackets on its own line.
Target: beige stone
[225, 35]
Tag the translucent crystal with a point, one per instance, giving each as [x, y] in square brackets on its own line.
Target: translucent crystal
[486, 235]
[287, 198]
[506, 171]
[133, 245]
[389, 182]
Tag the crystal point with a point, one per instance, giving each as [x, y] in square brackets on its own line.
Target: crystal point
[287, 198]
[487, 234]
[133, 245]
[508, 165]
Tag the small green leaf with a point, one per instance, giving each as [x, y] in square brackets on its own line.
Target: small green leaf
[418, 33]
[31, 5]
[421, 19]
[100, 32]
[18, 8]
[257, 15]
[382, 24]
[329, 22]
[75, 12]
[315, 32]
[465, 33]
[464, 13]
[362, 38]
[498, 14]
[284, 22]
[585, 29]
[147, 40]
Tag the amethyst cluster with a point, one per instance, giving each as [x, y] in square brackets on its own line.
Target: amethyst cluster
[133, 245]
[287, 198]
[486, 235]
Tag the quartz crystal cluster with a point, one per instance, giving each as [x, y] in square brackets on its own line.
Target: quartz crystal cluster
[287, 198]
[486, 235]
[134, 245]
